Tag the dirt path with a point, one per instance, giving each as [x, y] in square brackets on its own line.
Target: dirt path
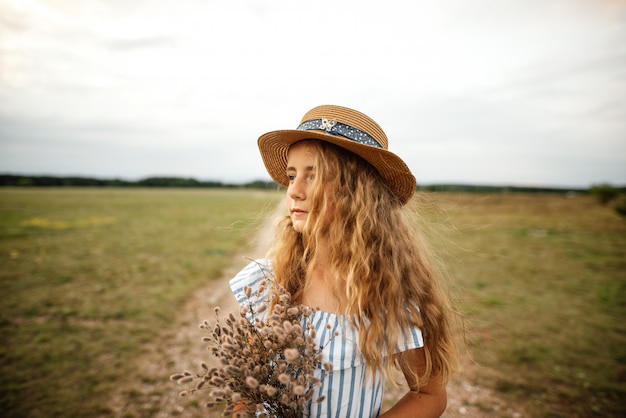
[147, 392]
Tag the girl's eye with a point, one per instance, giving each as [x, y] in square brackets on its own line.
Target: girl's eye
[291, 177]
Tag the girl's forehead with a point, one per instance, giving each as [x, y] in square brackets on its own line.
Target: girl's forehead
[302, 148]
[301, 144]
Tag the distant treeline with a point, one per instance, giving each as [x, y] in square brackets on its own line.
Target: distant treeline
[495, 189]
[52, 181]
[7, 180]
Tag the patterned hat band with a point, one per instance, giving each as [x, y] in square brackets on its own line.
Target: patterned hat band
[332, 127]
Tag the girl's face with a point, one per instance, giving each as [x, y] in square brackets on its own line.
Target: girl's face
[301, 172]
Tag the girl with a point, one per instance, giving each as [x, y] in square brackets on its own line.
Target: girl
[346, 248]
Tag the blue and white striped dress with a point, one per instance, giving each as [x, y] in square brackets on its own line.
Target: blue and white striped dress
[349, 390]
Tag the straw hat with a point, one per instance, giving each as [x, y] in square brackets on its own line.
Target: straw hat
[348, 129]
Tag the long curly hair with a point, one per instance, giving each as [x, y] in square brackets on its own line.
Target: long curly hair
[385, 278]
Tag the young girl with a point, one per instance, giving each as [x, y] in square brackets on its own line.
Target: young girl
[346, 247]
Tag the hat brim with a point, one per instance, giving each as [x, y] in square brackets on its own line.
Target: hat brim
[274, 146]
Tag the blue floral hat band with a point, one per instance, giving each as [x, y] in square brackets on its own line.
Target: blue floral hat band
[332, 127]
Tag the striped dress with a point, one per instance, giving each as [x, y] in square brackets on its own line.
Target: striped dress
[348, 389]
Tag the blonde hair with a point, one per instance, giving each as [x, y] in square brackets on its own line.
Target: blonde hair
[385, 276]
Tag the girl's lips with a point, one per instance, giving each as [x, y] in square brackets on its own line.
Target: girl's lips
[298, 212]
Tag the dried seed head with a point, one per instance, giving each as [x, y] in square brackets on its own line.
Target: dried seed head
[232, 370]
[278, 331]
[271, 390]
[217, 381]
[284, 378]
[292, 355]
[218, 393]
[287, 326]
[252, 382]
[275, 319]
[298, 390]
[184, 380]
[248, 291]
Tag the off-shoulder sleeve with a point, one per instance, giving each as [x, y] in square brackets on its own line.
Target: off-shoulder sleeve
[410, 338]
[251, 276]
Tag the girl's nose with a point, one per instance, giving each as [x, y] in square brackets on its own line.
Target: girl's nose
[297, 190]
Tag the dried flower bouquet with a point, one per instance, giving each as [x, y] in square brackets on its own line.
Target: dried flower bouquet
[268, 357]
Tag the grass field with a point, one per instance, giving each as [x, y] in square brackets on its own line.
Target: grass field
[89, 276]
[541, 280]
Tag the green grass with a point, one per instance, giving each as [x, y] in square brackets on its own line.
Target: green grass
[89, 275]
[542, 282]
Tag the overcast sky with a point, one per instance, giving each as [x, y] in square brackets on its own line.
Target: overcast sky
[520, 92]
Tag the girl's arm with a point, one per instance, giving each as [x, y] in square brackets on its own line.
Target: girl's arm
[427, 400]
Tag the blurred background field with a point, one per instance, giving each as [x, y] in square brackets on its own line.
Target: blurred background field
[541, 281]
[90, 276]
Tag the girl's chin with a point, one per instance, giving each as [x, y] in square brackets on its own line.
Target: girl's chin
[298, 225]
